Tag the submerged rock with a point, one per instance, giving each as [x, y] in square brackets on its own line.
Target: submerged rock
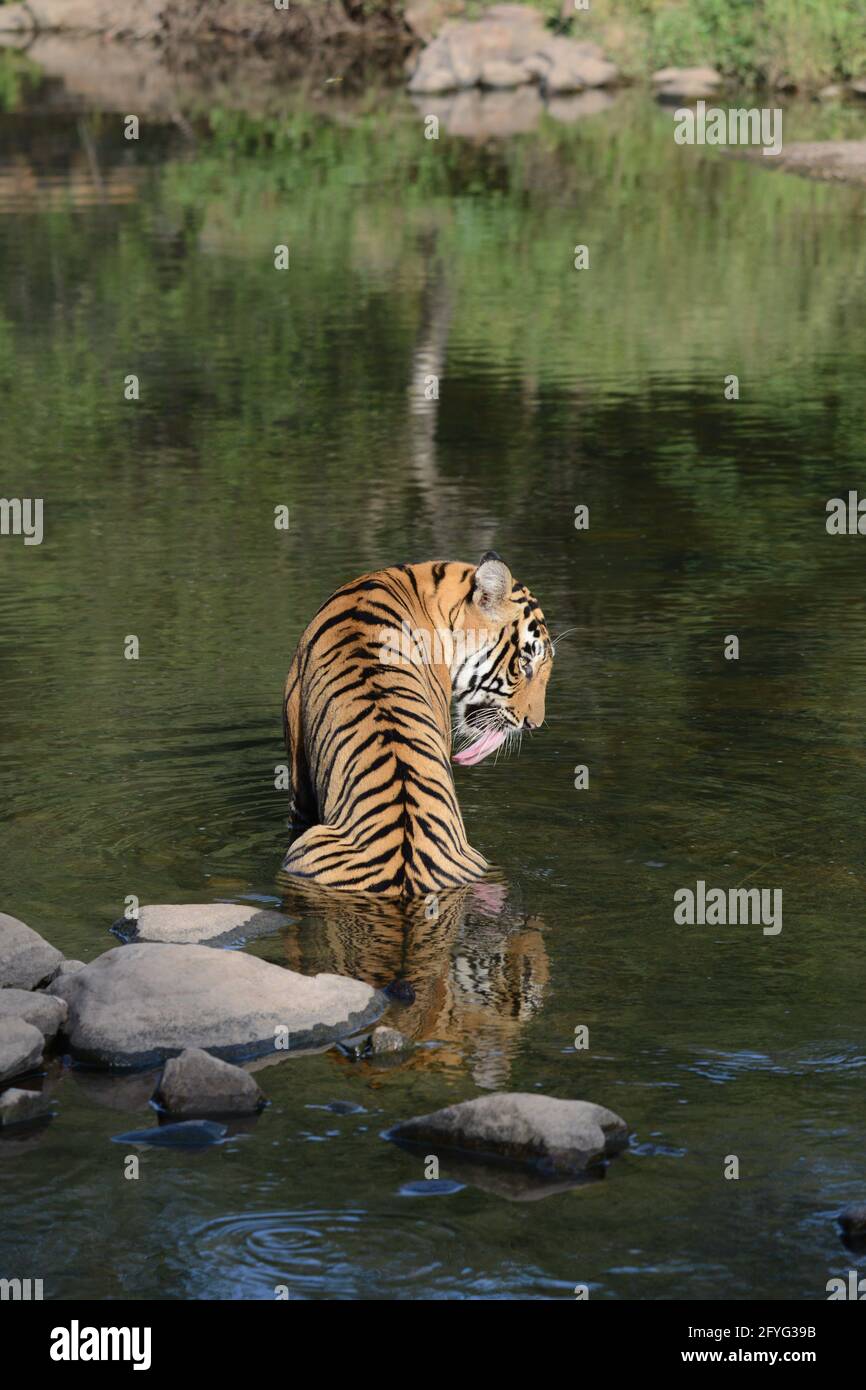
[197, 924]
[187, 1134]
[853, 1221]
[138, 1005]
[20, 1047]
[195, 1083]
[43, 1011]
[25, 959]
[556, 1136]
[388, 1040]
[20, 1107]
[401, 991]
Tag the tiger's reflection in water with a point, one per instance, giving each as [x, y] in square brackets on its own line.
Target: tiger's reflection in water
[476, 962]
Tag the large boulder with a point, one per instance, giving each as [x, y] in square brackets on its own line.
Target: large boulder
[196, 1084]
[43, 1011]
[136, 1006]
[25, 959]
[555, 1136]
[197, 924]
[20, 1048]
[508, 47]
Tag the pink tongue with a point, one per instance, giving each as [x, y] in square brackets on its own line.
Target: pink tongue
[480, 748]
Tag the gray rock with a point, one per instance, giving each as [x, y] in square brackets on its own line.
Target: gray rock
[556, 1136]
[44, 1011]
[18, 1107]
[136, 1006]
[199, 924]
[20, 1047]
[388, 1040]
[858, 86]
[834, 91]
[25, 959]
[196, 1084]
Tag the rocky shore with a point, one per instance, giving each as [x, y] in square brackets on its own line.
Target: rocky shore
[180, 994]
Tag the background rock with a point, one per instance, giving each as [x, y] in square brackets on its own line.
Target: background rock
[686, 84]
[558, 1136]
[507, 47]
[25, 959]
[137, 1005]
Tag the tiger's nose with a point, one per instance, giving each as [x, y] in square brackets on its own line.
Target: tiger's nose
[528, 724]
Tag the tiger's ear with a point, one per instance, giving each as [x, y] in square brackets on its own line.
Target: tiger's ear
[491, 592]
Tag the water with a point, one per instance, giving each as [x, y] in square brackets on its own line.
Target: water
[156, 777]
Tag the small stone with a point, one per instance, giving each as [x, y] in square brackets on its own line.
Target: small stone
[388, 1040]
[25, 959]
[43, 1011]
[20, 1047]
[858, 86]
[18, 1107]
[853, 1220]
[196, 1084]
[832, 92]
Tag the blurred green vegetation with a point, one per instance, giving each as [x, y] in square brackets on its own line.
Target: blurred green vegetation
[809, 41]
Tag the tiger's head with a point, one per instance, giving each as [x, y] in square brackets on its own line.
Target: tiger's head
[501, 667]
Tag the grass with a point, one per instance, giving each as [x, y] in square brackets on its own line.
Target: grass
[812, 42]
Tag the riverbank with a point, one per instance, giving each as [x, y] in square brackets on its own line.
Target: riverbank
[769, 43]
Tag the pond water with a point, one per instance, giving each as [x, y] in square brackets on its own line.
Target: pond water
[304, 388]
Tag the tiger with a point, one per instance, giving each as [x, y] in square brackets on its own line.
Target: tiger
[368, 724]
